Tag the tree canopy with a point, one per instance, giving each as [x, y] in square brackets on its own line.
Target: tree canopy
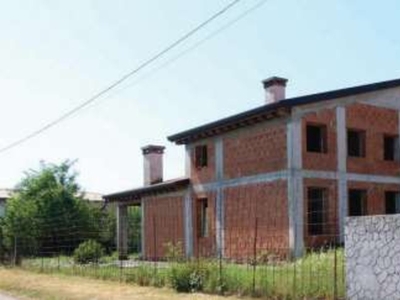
[48, 215]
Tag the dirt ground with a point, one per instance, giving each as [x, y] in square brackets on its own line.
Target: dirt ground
[28, 285]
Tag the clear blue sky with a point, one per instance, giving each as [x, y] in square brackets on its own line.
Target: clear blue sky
[55, 54]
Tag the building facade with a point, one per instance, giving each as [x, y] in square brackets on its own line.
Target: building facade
[279, 178]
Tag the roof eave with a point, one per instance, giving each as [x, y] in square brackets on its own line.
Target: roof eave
[139, 193]
[248, 118]
[232, 122]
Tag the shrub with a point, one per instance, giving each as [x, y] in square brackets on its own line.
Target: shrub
[88, 252]
[189, 277]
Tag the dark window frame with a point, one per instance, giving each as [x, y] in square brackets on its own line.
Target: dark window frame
[390, 147]
[201, 156]
[362, 208]
[203, 220]
[314, 146]
[317, 210]
[356, 142]
[394, 207]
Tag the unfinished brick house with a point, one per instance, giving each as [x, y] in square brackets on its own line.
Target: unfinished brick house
[280, 177]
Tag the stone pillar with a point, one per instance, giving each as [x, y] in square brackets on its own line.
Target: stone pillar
[122, 231]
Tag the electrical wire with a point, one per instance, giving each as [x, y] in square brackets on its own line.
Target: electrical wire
[119, 81]
[190, 49]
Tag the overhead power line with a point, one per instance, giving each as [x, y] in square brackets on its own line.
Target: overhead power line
[119, 81]
[189, 49]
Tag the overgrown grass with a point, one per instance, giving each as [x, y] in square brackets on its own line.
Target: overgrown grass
[316, 275]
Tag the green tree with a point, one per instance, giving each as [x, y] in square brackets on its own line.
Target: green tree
[48, 215]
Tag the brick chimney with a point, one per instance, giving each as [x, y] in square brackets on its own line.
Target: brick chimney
[152, 164]
[274, 89]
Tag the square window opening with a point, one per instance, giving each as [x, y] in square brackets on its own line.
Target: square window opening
[317, 210]
[201, 156]
[391, 148]
[357, 203]
[203, 220]
[392, 202]
[356, 143]
[316, 138]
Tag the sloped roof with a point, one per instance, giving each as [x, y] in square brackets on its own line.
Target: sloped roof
[273, 110]
[154, 189]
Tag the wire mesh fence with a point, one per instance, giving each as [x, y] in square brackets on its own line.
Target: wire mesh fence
[253, 258]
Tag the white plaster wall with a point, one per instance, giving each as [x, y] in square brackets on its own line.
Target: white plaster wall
[373, 257]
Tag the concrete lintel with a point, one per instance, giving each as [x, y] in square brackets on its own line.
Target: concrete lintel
[265, 177]
[350, 176]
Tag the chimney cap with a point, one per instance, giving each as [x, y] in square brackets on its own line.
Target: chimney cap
[153, 149]
[274, 80]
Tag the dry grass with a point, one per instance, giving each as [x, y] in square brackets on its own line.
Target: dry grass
[31, 285]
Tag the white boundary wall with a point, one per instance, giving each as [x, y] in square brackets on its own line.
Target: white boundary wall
[373, 257]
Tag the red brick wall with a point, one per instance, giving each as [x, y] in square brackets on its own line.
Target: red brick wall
[375, 195]
[255, 150]
[204, 246]
[266, 202]
[377, 122]
[203, 174]
[331, 225]
[163, 224]
[321, 161]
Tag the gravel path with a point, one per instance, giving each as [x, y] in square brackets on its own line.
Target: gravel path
[6, 297]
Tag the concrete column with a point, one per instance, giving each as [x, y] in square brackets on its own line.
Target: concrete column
[188, 219]
[342, 168]
[219, 201]
[295, 187]
[188, 160]
[142, 229]
[122, 231]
